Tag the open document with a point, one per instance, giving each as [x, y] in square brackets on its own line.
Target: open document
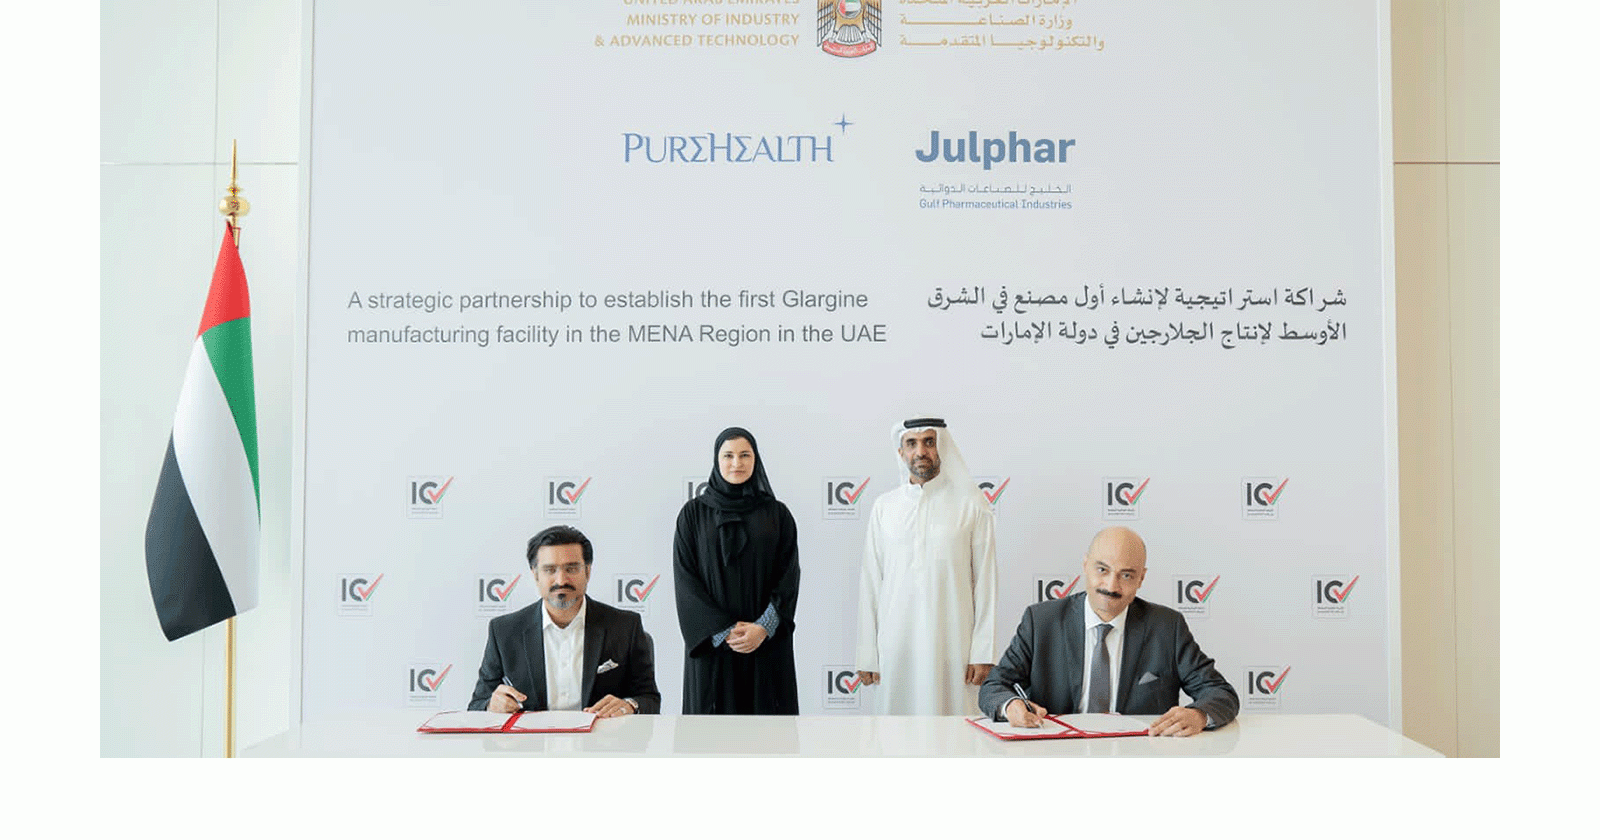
[509, 722]
[1065, 726]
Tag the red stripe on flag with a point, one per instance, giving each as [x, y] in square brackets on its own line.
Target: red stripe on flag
[229, 298]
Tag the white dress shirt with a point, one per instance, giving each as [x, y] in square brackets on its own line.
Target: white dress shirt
[1114, 638]
[563, 661]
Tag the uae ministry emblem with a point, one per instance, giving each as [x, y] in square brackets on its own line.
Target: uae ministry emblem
[849, 28]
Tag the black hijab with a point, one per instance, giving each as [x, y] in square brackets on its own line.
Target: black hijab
[732, 501]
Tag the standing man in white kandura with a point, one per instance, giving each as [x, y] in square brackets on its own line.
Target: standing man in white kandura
[928, 583]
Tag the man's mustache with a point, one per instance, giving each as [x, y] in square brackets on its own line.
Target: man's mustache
[1112, 595]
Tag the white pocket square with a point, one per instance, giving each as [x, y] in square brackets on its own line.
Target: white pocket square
[1148, 678]
[605, 666]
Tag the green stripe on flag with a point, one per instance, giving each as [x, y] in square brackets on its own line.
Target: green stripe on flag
[228, 347]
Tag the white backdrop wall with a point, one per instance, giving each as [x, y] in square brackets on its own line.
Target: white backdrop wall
[1226, 244]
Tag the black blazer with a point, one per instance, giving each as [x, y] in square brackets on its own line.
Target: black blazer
[1159, 656]
[516, 649]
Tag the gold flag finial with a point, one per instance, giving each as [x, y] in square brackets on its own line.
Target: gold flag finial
[232, 205]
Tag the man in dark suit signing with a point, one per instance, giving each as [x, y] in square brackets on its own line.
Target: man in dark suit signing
[567, 651]
[1104, 650]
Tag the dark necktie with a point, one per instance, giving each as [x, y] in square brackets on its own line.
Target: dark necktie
[1100, 673]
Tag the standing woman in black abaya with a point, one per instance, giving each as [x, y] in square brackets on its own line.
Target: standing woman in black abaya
[736, 569]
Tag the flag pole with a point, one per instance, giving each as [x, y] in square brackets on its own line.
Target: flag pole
[232, 207]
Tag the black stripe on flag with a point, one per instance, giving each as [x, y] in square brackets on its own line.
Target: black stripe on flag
[185, 580]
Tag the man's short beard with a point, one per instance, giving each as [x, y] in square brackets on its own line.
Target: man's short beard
[925, 473]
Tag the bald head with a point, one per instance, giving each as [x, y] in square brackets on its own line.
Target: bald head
[1117, 542]
[1113, 570]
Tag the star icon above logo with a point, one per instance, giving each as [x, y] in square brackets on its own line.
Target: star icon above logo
[843, 123]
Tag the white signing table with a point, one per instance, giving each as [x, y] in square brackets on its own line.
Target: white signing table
[393, 735]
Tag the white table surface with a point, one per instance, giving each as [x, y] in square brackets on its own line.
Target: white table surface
[393, 734]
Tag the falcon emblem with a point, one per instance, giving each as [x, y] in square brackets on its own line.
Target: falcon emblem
[849, 28]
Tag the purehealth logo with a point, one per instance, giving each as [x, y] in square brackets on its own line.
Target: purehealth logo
[726, 147]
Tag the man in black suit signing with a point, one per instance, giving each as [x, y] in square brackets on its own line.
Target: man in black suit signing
[567, 651]
[1103, 650]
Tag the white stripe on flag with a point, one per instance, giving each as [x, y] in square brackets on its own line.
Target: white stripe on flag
[210, 455]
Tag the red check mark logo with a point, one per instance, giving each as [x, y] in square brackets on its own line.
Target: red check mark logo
[572, 498]
[500, 593]
[1134, 499]
[1206, 593]
[644, 593]
[852, 497]
[434, 497]
[1272, 686]
[997, 491]
[851, 685]
[1340, 596]
[433, 684]
[1061, 592]
[364, 594]
[1272, 498]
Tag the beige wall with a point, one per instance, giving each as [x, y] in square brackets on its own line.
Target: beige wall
[1446, 73]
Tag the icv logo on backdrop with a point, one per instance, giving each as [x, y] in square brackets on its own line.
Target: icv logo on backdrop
[1194, 594]
[633, 591]
[427, 496]
[1123, 495]
[494, 591]
[563, 495]
[993, 488]
[355, 592]
[1333, 594]
[840, 687]
[694, 487]
[1261, 686]
[1261, 496]
[841, 496]
[425, 680]
[1053, 589]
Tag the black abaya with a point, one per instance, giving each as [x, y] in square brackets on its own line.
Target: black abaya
[714, 592]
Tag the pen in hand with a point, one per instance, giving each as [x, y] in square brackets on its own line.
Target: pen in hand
[507, 681]
[1023, 694]
[1017, 687]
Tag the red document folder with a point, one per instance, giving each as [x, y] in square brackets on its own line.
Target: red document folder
[512, 722]
[1064, 726]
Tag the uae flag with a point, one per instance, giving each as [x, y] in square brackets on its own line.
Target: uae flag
[201, 541]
